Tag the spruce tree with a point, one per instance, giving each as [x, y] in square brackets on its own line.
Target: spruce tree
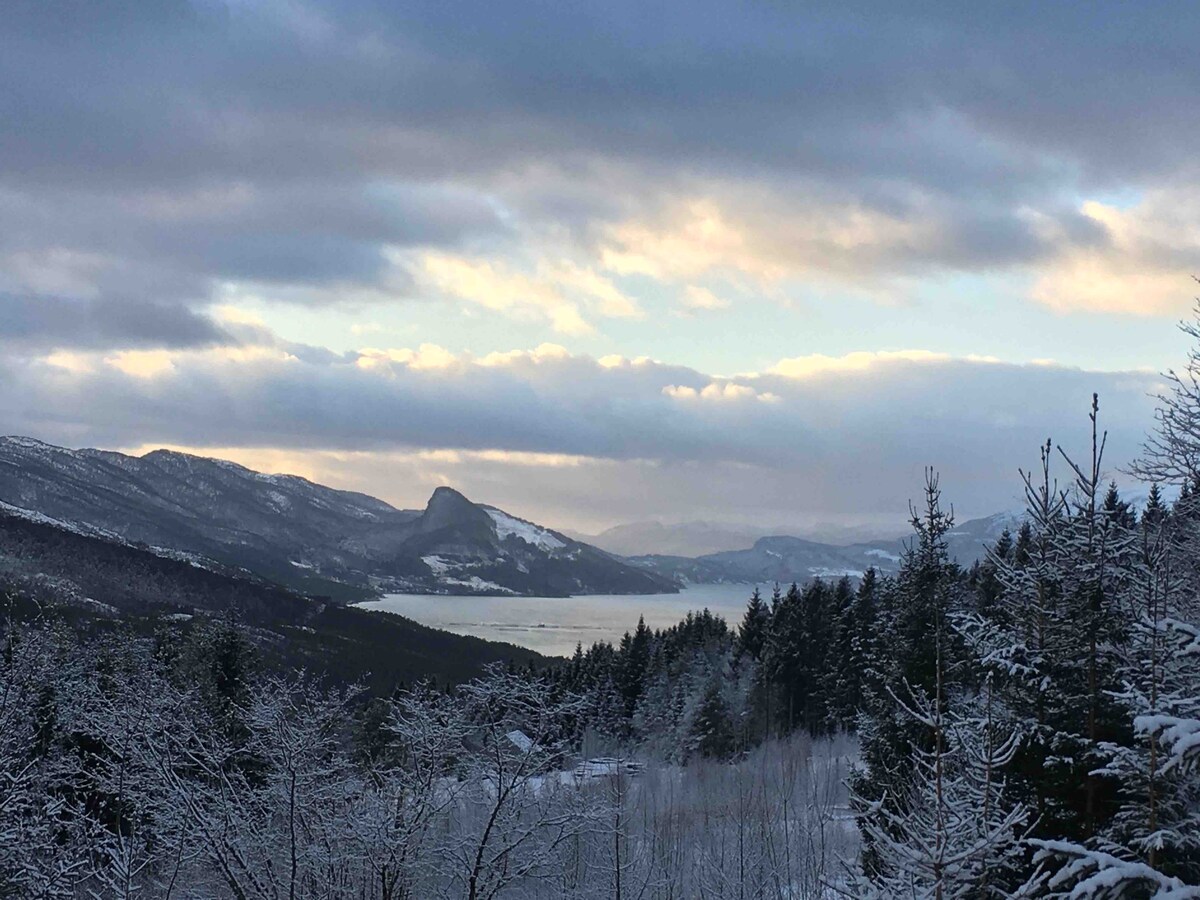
[755, 627]
[919, 648]
[711, 734]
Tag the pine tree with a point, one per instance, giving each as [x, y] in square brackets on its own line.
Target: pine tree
[711, 734]
[812, 663]
[755, 627]
[948, 830]
[635, 656]
[862, 675]
[1054, 641]
[840, 683]
[918, 649]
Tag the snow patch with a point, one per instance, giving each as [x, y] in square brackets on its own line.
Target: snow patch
[476, 583]
[438, 565]
[507, 526]
[882, 554]
[823, 572]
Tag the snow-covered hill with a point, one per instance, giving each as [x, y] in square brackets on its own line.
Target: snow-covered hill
[303, 534]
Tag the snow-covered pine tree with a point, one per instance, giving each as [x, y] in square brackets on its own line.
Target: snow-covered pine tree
[1159, 818]
[914, 630]
[711, 732]
[1053, 640]
[950, 831]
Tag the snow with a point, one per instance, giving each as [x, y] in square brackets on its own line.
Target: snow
[520, 740]
[438, 565]
[31, 515]
[28, 443]
[476, 583]
[442, 568]
[883, 554]
[823, 572]
[507, 526]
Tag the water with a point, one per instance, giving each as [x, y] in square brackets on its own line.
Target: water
[553, 625]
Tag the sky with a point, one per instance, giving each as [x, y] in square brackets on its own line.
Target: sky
[754, 263]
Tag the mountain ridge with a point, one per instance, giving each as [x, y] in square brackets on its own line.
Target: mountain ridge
[307, 536]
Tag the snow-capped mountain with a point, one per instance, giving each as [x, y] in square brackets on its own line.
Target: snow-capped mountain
[784, 559]
[303, 534]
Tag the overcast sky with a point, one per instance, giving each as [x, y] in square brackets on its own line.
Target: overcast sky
[599, 262]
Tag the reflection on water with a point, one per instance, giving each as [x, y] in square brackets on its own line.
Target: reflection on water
[554, 625]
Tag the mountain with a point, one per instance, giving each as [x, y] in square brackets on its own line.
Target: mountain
[98, 583]
[785, 559]
[304, 535]
[695, 539]
[686, 539]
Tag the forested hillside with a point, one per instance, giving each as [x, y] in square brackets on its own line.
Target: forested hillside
[100, 585]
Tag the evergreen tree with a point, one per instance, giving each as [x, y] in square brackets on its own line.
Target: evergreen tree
[756, 624]
[919, 648]
[1054, 641]
[635, 656]
[839, 682]
[863, 672]
[812, 662]
[711, 734]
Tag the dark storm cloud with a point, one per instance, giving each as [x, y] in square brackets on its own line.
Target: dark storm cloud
[817, 86]
[49, 322]
[178, 145]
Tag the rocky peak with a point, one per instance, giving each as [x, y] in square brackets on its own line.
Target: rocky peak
[448, 508]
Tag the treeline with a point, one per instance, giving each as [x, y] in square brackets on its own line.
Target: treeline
[795, 662]
[1029, 726]
[180, 767]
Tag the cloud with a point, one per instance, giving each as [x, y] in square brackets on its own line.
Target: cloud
[698, 298]
[859, 361]
[785, 143]
[717, 392]
[1142, 266]
[581, 172]
[49, 321]
[849, 440]
[427, 356]
[555, 293]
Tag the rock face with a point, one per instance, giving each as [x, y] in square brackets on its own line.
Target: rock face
[302, 534]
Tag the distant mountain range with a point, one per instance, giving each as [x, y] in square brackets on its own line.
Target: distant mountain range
[785, 559]
[346, 546]
[693, 539]
[303, 535]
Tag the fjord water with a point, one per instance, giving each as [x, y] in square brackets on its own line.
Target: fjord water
[553, 625]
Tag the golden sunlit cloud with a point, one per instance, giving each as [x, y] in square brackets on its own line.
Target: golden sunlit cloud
[1141, 270]
[75, 363]
[717, 392]
[142, 363]
[755, 239]
[553, 293]
[862, 360]
[426, 356]
[541, 353]
[701, 298]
